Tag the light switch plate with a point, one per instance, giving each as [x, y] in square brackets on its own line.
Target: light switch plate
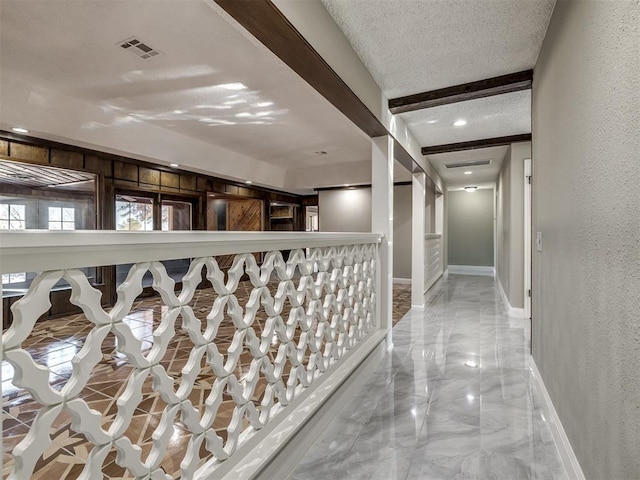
[539, 241]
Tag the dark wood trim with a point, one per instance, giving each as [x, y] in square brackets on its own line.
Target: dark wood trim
[487, 142]
[264, 21]
[258, 191]
[363, 185]
[513, 82]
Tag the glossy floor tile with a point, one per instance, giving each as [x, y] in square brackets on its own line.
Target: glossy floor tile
[53, 343]
[453, 400]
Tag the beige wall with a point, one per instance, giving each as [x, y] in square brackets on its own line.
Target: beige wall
[510, 222]
[347, 210]
[344, 210]
[470, 228]
[402, 211]
[586, 197]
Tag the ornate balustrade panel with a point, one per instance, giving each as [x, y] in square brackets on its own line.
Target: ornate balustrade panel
[433, 259]
[301, 316]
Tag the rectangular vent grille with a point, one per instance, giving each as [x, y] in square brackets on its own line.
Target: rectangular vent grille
[138, 48]
[468, 164]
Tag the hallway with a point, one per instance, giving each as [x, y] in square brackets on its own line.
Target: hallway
[454, 400]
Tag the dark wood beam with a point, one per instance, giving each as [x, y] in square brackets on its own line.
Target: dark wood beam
[264, 21]
[487, 142]
[513, 82]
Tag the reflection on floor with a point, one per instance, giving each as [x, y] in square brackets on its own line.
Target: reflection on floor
[55, 342]
[453, 400]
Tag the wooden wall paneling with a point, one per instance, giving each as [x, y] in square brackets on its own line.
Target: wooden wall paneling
[169, 179]
[4, 148]
[21, 151]
[149, 176]
[125, 171]
[245, 215]
[188, 182]
[231, 189]
[67, 159]
[95, 164]
[202, 184]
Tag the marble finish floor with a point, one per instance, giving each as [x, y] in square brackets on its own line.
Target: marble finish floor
[453, 400]
[53, 343]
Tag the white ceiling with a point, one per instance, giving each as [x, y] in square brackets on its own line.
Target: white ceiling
[481, 176]
[412, 46]
[489, 117]
[215, 100]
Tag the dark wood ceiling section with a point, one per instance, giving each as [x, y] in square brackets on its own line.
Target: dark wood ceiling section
[487, 142]
[265, 22]
[513, 82]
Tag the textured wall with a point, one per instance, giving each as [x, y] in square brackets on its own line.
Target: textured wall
[344, 210]
[586, 187]
[402, 231]
[519, 152]
[503, 225]
[510, 218]
[350, 211]
[470, 228]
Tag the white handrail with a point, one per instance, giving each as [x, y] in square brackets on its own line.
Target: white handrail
[325, 323]
[42, 250]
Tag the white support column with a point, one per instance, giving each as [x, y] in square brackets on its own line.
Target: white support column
[382, 222]
[418, 203]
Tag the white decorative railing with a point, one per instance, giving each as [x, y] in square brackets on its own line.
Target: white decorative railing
[302, 319]
[432, 259]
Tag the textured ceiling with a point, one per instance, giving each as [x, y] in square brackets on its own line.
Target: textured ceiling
[481, 176]
[412, 46]
[212, 85]
[489, 117]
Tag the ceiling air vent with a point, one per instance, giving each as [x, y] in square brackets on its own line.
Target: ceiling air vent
[468, 164]
[138, 48]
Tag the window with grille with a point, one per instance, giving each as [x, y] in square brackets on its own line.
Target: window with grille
[62, 218]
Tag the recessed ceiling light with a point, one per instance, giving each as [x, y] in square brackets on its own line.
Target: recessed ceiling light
[460, 123]
[174, 165]
[471, 364]
[248, 181]
[233, 86]
[264, 104]
[468, 173]
[179, 112]
[470, 189]
[243, 114]
[264, 114]
[432, 121]
[470, 397]
[20, 130]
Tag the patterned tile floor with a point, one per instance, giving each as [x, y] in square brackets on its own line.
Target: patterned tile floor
[55, 342]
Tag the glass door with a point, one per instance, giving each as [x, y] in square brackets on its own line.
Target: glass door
[176, 215]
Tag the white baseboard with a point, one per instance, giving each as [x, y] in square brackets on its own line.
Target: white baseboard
[567, 456]
[446, 273]
[402, 281]
[472, 270]
[512, 311]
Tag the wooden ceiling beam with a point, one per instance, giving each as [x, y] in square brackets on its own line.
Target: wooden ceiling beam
[264, 21]
[513, 82]
[484, 143]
